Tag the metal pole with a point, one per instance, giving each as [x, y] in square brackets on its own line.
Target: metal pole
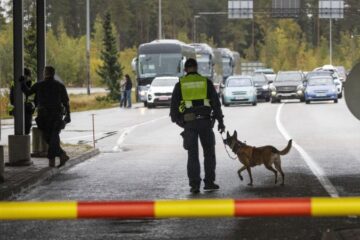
[40, 36]
[330, 38]
[88, 45]
[160, 21]
[18, 65]
[93, 128]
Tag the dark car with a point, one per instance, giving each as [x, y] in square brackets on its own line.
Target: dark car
[262, 86]
[288, 85]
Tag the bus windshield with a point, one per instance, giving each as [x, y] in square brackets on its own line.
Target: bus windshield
[152, 65]
[227, 69]
[204, 65]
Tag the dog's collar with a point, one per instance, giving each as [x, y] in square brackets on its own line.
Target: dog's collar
[233, 146]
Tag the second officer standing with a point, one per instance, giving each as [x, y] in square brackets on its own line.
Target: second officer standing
[194, 106]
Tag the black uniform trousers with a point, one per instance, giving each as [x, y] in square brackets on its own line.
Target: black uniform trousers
[50, 122]
[193, 131]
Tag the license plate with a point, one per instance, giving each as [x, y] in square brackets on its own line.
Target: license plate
[321, 95]
[164, 98]
[239, 97]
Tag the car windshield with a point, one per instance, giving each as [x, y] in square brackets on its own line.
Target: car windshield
[288, 77]
[151, 65]
[259, 78]
[321, 81]
[164, 82]
[312, 74]
[239, 82]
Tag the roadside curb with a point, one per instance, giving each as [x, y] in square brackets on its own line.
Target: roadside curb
[7, 192]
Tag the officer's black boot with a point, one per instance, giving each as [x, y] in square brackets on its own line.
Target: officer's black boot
[195, 189]
[211, 186]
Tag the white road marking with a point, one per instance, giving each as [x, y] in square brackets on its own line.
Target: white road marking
[314, 167]
[128, 130]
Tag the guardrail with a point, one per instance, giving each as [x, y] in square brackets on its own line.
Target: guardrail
[216, 208]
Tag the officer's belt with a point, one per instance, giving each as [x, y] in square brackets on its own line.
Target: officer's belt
[188, 117]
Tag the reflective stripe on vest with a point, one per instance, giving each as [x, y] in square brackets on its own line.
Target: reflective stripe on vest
[194, 87]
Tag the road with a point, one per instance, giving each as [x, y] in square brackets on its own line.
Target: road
[142, 158]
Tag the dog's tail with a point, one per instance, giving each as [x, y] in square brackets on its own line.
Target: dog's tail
[287, 149]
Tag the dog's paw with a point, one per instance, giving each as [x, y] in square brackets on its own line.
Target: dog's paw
[250, 184]
[282, 184]
[241, 178]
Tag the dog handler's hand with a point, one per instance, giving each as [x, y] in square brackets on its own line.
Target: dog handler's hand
[221, 127]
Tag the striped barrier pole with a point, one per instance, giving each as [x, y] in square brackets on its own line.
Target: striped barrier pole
[311, 207]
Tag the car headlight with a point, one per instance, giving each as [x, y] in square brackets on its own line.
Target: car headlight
[142, 93]
[265, 87]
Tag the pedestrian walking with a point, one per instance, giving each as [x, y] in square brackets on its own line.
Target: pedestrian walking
[29, 102]
[122, 93]
[128, 87]
[53, 105]
[194, 106]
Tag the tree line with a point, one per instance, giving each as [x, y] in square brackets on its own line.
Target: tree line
[301, 43]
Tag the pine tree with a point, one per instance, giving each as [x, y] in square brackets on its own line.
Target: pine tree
[111, 71]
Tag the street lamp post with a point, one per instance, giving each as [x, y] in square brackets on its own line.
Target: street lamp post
[194, 28]
[88, 45]
[160, 21]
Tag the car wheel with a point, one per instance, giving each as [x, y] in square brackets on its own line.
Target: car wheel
[150, 105]
[274, 100]
[302, 99]
[267, 99]
[307, 102]
[340, 95]
[254, 103]
[145, 104]
[335, 101]
[226, 104]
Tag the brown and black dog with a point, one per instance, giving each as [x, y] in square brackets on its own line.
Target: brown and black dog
[252, 156]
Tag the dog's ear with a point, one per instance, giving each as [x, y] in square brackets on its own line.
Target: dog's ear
[227, 134]
[235, 134]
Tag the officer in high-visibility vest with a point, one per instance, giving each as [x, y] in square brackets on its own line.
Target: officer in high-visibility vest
[195, 106]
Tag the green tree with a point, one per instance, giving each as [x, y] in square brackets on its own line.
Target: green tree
[110, 71]
[30, 40]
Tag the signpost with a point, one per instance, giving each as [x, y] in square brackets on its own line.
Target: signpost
[331, 9]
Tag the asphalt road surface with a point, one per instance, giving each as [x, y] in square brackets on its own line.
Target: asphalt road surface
[142, 159]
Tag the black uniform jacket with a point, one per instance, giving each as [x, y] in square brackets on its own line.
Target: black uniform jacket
[50, 94]
[214, 111]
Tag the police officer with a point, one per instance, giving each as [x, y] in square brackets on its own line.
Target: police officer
[29, 102]
[53, 104]
[194, 106]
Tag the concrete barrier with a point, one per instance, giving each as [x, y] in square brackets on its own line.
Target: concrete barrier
[39, 146]
[19, 150]
[200, 208]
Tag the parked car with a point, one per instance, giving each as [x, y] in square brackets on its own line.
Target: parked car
[239, 89]
[160, 91]
[262, 86]
[342, 73]
[287, 85]
[333, 74]
[320, 88]
[269, 73]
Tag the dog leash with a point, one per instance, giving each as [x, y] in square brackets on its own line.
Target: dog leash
[233, 158]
